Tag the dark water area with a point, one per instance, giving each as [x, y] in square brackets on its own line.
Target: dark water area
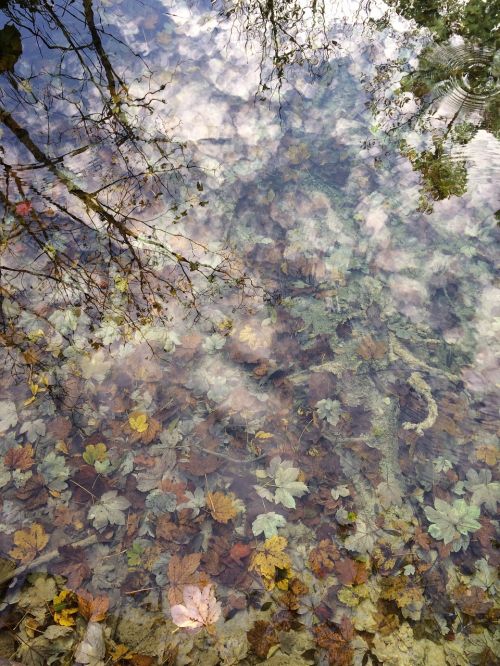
[249, 331]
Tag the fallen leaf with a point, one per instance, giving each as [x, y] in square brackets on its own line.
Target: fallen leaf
[221, 506]
[23, 208]
[181, 572]
[239, 551]
[93, 609]
[19, 457]
[64, 608]
[323, 557]
[270, 559]
[200, 609]
[29, 542]
[138, 421]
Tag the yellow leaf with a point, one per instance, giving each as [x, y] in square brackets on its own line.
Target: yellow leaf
[221, 506]
[138, 421]
[271, 561]
[263, 435]
[63, 610]
[28, 543]
[248, 335]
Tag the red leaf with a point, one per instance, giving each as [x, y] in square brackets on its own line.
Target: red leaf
[23, 208]
[239, 551]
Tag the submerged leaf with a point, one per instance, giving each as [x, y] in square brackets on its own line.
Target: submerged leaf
[200, 609]
[110, 510]
[268, 523]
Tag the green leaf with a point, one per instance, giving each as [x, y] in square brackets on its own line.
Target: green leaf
[268, 524]
[109, 510]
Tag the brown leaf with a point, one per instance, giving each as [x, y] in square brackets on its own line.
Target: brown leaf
[221, 506]
[20, 458]
[371, 349]
[322, 558]
[262, 636]
[28, 543]
[350, 572]
[472, 601]
[339, 649]
[33, 492]
[181, 572]
[200, 463]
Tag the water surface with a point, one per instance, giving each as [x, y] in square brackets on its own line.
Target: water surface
[249, 333]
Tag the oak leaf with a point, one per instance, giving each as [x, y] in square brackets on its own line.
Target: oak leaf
[29, 542]
[221, 506]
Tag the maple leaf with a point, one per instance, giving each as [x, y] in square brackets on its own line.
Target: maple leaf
[270, 559]
[8, 415]
[221, 506]
[200, 609]
[95, 453]
[93, 609]
[19, 457]
[488, 455]
[239, 551]
[322, 558]
[350, 572]
[109, 510]
[285, 479]
[268, 524]
[181, 572]
[28, 543]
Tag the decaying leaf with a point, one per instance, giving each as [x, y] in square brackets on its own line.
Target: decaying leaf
[200, 609]
[323, 557]
[64, 608]
[19, 457]
[29, 542]
[92, 649]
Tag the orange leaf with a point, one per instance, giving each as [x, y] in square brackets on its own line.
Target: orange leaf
[20, 457]
[93, 609]
[221, 506]
[239, 551]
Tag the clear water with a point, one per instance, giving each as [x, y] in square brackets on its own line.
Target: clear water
[250, 317]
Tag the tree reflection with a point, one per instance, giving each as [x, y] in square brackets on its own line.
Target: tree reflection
[448, 98]
[289, 32]
[92, 182]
